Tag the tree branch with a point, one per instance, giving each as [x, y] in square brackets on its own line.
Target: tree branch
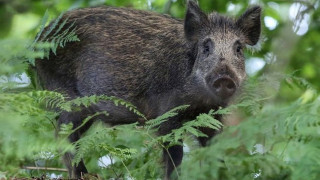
[45, 168]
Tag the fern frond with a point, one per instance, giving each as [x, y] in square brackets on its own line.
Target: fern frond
[52, 36]
[51, 27]
[96, 142]
[192, 127]
[89, 118]
[60, 40]
[89, 100]
[43, 22]
[122, 153]
[50, 98]
[160, 119]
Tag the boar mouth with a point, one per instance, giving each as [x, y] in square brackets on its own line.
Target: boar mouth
[217, 89]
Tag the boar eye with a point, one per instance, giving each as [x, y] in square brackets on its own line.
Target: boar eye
[239, 48]
[207, 47]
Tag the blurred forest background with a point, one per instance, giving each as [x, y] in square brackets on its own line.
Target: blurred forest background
[279, 137]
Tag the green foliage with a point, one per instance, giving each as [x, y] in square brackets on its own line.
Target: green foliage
[27, 129]
[278, 142]
[278, 137]
[27, 126]
[270, 144]
[165, 117]
[192, 127]
[60, 34]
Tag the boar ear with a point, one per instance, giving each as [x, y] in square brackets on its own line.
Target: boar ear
[194, 21]
[250, 24]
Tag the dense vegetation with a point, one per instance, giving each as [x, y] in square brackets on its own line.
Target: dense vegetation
[279, 107]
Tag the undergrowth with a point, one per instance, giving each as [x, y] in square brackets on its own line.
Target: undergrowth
[273, 141]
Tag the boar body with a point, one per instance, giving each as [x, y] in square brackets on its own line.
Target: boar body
[153, 61]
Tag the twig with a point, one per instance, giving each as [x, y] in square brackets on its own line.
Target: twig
[45, 168]
[126, 169]
[163, 146]
[112, 167]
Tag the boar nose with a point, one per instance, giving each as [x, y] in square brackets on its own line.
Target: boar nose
[224, 87]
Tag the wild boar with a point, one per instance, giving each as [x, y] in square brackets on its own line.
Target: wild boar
[153, 61]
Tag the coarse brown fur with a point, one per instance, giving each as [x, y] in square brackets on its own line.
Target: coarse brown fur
[153, 61]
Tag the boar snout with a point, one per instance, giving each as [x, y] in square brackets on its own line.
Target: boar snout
[223, 87]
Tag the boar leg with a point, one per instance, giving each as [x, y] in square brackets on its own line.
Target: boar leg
[75, 118]
[172, 158]
[74, 171]
[209, 132]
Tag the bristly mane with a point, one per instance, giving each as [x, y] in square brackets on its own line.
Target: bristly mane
[221, 23]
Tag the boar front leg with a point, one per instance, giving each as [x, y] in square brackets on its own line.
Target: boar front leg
[172, 158]
[209, 132]
[173, 155]
[75, 118]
